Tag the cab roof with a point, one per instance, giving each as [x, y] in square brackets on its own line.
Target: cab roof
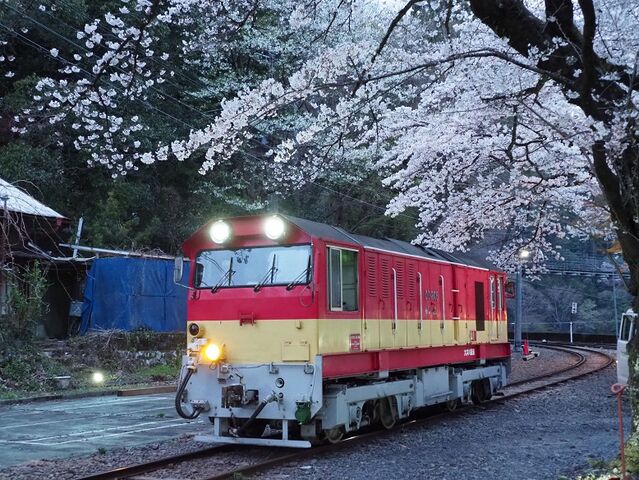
[326, 232]
[330, 232]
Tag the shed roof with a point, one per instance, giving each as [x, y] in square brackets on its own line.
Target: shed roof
[329, 232]
[21, 202]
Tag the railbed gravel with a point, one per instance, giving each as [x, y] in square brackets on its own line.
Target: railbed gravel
[539, 436]
[548, 361]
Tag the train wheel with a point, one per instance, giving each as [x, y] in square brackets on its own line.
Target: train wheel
[386, 411]
[334, 435]
[451, 405]
[480, 391]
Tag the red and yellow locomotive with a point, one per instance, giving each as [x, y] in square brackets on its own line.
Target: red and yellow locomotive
[299, 330]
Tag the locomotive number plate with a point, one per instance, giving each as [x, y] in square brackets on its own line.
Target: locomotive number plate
[355, 342]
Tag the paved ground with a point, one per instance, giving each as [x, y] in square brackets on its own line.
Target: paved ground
[71, 427]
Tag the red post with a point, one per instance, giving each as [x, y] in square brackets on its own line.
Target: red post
[617, 390]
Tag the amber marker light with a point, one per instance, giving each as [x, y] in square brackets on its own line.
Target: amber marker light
[212, 352]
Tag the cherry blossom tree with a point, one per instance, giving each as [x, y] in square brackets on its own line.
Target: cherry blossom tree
[513, 115]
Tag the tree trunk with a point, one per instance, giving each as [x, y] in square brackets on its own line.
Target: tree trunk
[599, 97]
[620, 196]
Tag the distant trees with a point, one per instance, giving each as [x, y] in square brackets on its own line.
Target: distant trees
[548, 301]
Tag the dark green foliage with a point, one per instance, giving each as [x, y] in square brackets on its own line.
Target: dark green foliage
[25, 368]
[27, 286]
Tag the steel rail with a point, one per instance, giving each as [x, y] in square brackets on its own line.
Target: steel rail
[288, 456]
[131, 470]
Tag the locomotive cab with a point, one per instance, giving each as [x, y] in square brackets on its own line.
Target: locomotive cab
[299, 330]
[251, 335]
[627, 331]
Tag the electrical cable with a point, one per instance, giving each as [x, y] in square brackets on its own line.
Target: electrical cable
[190, 370]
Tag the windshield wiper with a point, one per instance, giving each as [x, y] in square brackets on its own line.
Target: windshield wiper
[271, 273]
[297, 279]
[227, 276]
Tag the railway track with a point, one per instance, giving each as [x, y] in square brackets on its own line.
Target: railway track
[587, 361]
[581, 359]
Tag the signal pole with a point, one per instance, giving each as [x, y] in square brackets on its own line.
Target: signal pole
[523, 256]
[518, 313]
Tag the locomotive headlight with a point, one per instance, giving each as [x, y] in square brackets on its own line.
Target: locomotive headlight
[213, 352]
[274, 227]
[220, 232]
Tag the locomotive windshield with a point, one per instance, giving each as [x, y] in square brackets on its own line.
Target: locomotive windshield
[253, 267]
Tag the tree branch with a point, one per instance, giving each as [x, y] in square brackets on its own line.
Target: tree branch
[398, 18]
[510, 19]
[483, 53]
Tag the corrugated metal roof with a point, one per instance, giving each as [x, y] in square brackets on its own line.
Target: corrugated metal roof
[329, 232]
[21, 202]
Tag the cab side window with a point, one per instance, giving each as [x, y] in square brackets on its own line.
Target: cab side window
[624, 331]
[343, 291]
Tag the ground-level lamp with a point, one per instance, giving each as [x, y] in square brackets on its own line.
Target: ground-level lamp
[523, 255]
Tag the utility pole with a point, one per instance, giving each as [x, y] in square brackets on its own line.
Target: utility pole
[273, 203]
[78, 234]
[3, 252]
[5, 234]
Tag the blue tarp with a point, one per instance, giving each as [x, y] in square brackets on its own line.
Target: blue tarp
[133, 293]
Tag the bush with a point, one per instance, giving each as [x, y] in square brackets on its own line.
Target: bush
[26, 370]
[26, 306]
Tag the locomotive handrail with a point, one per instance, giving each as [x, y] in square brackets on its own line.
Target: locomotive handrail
[441, 324]
[421, 295]
[394, 326]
